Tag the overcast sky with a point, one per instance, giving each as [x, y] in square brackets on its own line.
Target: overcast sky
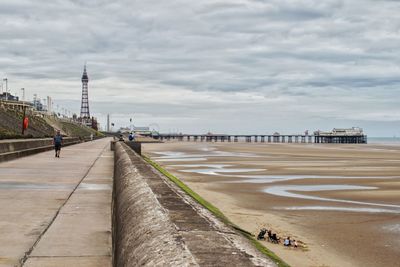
[234, 66]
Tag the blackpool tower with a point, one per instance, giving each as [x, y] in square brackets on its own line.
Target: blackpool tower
[85, 115]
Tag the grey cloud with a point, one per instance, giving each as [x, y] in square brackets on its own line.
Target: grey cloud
[272, 58]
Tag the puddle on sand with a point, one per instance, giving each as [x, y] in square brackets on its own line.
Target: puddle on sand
[177, 156]
[208, 149]
[182, 156]
[87, 186]
[220, 169]
[255, 179]
[349, 209]
[32, 186]
[217, 171]
[217, 166]
[178, 159]
[259, 179]
[283, 191]
[394, 228]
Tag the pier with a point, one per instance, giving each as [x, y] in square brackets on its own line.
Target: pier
[317, 139]
[337, 136]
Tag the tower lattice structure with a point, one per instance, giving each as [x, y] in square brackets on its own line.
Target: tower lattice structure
[85, 115]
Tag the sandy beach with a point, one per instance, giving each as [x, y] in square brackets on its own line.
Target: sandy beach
[341, 201]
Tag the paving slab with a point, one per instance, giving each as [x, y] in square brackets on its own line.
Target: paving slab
[57, 211]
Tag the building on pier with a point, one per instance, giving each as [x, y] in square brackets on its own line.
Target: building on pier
[354, 135]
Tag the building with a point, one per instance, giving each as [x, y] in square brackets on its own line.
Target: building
[8, 97]
[49, 105]
[142, 131]
[354, 135]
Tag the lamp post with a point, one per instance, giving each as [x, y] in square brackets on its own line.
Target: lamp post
[131, 124]
[24, 118]
[23, 94]
[6, 80]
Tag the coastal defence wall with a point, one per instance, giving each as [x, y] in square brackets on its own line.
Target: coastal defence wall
[12, 149]
[157, 224]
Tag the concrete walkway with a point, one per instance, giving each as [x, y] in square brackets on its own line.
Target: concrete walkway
[57, 211]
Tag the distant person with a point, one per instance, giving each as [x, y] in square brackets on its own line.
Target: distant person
[286, 242]
[270, 235]
[91, 137]
[131, 137]
[275, 238]
[58, 142]
[261, 235]
[295, 243]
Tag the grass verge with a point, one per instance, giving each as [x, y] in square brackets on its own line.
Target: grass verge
[217, 212]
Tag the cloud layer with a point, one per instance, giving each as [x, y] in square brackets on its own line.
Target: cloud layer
[226, 66]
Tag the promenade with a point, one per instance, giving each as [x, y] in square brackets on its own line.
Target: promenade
[57, 211]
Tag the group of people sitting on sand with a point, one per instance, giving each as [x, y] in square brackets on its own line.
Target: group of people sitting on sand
[273, 238]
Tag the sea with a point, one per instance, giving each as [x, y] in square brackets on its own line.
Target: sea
[384, 140]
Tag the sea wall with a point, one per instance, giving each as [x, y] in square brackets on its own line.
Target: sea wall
[157, 224]
[142, 233]
[12, 149]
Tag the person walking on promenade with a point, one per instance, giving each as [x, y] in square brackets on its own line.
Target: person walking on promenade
[58, 141]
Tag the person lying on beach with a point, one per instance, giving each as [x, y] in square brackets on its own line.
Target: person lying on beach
[286, 242]
[261, 235]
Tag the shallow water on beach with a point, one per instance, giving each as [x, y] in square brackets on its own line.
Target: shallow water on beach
[178, 159]
[394, 228]
[178, 156]
[260, 179]
[217, 166]
[219, 171]
[345, 209]
[287, 191]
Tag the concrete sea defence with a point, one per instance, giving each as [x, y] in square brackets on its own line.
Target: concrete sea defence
[12, 149]
[157, 224]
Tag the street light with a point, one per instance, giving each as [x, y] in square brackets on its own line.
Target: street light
[24, 117]
[23, 94]
[6, 80]
[131, 124]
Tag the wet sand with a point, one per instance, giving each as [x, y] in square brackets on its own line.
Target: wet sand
[342, 201]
